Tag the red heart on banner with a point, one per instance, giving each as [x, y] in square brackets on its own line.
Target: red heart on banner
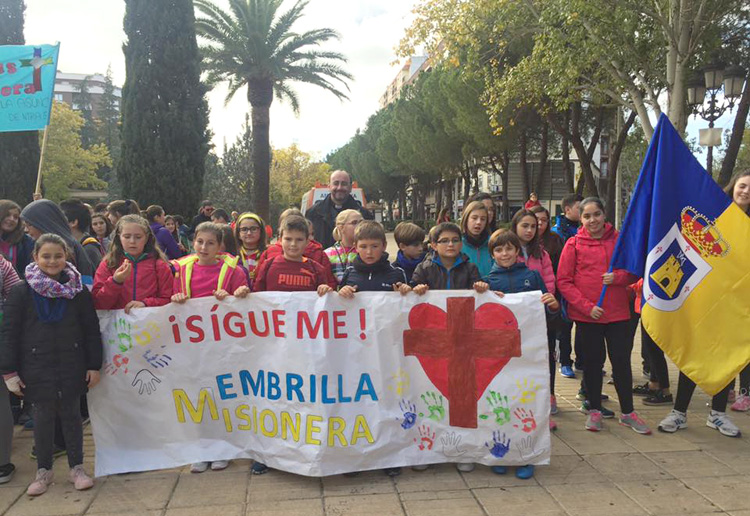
[463, 350]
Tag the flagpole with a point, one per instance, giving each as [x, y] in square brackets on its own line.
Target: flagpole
[38, 189]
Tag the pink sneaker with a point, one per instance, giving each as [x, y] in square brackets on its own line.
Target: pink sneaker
[742, 404]
[41, 482]
[80, 479]
[552, 426]
[552, 404]
[732, 396]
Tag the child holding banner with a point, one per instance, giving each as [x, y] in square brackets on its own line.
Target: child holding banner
[580, 275]
[51, 354]
[342, 253]
[251, 240]
[134, 273]
[447, 269]
[410, 240]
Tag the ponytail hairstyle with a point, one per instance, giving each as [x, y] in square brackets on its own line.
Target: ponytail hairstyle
[122, 208]
[533, 248]
[341, 219]
[51, 238]
[262, 243]
[593, 200]
[116, 253]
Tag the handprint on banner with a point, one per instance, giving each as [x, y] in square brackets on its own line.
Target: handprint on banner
[499, 445]
[122, 335]
[434, 406]
[145, 380]
[526, 448]
[119, 364]
[499, 406]
[410, 414]
[527, 390]
[146, 336]
[399, 382]
[426, 438]
[157, 360]
[450, 441]
[526, 421]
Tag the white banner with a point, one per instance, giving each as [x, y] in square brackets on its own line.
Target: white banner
[321, 386]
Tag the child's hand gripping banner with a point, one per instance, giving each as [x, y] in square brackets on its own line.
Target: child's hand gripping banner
[321, 386]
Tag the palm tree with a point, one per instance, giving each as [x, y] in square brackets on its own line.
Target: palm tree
[253, 45]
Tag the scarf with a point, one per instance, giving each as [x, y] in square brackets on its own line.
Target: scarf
[51, 296]
[250, 260]
[476, 242]
[408, 263]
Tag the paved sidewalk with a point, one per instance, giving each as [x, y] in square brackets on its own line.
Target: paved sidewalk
[615, 472]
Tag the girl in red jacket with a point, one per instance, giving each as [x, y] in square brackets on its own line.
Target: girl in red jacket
[581, 273]
[134, 273]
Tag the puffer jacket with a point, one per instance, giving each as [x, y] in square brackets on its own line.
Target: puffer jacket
[514, 279]
[579, 278]
[432, 272]
[51, 358]
[541, 265]
[150, 282]
[378, 277]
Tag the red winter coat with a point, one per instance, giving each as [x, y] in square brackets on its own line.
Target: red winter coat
[579, 278]
[543, 266]
[314, 251]
[150, 282]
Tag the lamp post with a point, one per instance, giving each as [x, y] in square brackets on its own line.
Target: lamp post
[713, 78]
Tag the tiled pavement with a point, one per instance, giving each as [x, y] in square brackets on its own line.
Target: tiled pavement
[617, 472]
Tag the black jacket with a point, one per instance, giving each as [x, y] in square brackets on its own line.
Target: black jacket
[432, 272]
[51, 358]
[378, 277]
[323, 216]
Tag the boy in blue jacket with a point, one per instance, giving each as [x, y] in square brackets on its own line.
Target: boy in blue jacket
[510, 277]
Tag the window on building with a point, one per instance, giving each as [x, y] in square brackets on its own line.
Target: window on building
[604, 168]
[605, 146]
[59, 97]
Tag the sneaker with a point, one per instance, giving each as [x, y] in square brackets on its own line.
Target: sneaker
[199, 467]
[567, 371]
[742, 404]
[466, 467]
[392, 472]
[421, 467]
[658, 398]
[6, 473]
[635, 422]
[259, 468]
[41, 482]
[552, 405]
[218, 465]
[643, 390]
[552, 425]
[606, 413]
[721, 422]
[578, 367]
[56, 452]
[80, 480]
[29, 424]
[594, 421]
[674, 421]
[581, 396]
[499, 470]
[525, 472]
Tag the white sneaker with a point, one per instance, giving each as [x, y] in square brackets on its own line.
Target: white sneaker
[674, 421]
[721, 422]
[465, 466]
[199, 467]
[218, 465]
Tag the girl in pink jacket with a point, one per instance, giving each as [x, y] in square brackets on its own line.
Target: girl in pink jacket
[134, 273]
[581, 273]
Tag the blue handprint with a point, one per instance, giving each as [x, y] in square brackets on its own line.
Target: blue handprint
[410, 414]
[499, 446]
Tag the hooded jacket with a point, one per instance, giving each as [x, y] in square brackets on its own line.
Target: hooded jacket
[150, 282]
[579, 278]
[323, 216]
[514, 279]
[47, 217]
[565, 228]
[378, 277]
[433, 273]
[541, 265]
[166, 241]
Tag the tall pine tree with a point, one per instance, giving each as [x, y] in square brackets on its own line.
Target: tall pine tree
[164, 112]
[19, 152]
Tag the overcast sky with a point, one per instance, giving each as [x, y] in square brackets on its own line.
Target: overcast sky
[91, 36]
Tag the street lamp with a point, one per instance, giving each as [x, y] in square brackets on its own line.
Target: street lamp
[713, 78]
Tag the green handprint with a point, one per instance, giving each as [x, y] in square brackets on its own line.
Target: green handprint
[500, 408]
[434, 405]
[123, 328]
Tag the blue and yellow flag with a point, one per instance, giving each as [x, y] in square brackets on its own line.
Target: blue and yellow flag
[691, 245]
[27, 83]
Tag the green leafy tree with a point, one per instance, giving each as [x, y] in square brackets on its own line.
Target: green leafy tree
[253, 45]
[82, 103]
[164, 112]
[293, 173]
[229, 180]
[19, 151]
[109, 131]
[67, 163]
